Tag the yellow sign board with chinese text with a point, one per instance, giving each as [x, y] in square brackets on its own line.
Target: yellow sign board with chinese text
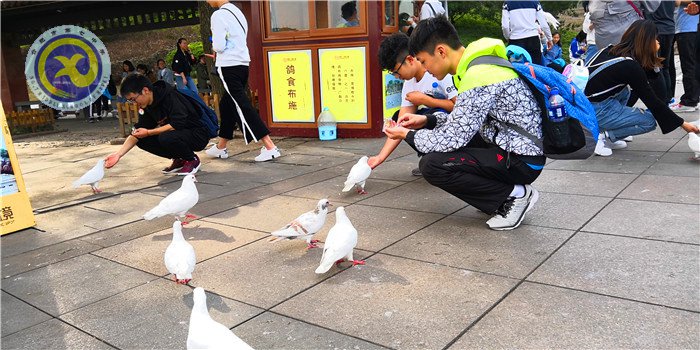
[291, 86]
[391, 86]
[15, 209]
[344, 83]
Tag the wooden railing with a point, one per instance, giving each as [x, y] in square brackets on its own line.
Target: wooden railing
[31, 121]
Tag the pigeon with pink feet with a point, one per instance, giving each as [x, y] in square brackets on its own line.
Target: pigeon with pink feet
[92, 177]
[341, 240]
[179, 256]
[358, 175]
[305, 226]
[177, 203]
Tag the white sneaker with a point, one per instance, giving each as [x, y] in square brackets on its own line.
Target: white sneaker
[512, 211]
[601, 149]
[215, 152]
[628, 139]
[681, 108]
[267, 154]
[619, 144]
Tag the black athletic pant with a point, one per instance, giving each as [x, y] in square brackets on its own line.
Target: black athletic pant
[532, 45]
[686, 51]
[666, 45]
[176, 144]
[236, 78]
[480, 174]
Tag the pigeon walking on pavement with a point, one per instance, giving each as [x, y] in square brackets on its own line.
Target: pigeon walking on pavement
[341, 240]
[305, 225]
[179, 256]
[92, 177]
[177, 203]
[694, 144]
[205, 333]
[358, 175]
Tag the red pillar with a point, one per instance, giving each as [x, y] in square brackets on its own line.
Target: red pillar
[13, 83]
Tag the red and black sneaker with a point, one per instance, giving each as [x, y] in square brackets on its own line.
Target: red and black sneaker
[190, 166]
[174, 167]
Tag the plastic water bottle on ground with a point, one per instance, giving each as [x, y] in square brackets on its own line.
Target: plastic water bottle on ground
[327, 129]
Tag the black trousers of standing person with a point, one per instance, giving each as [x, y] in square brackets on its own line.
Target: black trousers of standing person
[176, 144]
[480, 174]
[686, 52]
[665, 85]
[532, 45]
[236, 79]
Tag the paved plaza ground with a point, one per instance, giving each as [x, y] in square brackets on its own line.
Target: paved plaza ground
[608, 258]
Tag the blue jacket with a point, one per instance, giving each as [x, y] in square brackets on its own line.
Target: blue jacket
[551, 55]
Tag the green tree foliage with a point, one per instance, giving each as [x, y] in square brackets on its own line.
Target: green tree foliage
[195, 47]
[492, 9]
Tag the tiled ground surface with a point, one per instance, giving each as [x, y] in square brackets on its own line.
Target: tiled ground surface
[608, 258]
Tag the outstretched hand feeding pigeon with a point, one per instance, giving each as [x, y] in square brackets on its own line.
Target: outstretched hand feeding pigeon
[178, 202]
[205, 333]
[92, 177]
[341, 240]
[179, 256]
[305, 226]
[358, 174]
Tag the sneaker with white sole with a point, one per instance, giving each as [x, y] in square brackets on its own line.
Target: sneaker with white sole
[174, 167]
[416, 172]
[267, 154]
[682, 108]
[190, 166]
[601, 149]
[512, 211]
[215, 152]
[619, 144]
[628, 139]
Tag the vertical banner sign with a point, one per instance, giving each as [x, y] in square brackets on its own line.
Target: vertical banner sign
[15, 209]
[67, 68]
[291, 86]
[344, 83]
[392, 94]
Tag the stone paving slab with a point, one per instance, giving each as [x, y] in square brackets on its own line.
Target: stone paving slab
[18, 315]
[664, 189]
[621, 162]
[675, 164]
[333, 190]
[468, 244]
[48, 255]
[208, 239]
[653, 220]
[26, 240]
[661, 273]
[417, 195]
[395, 302]
[289, 269]
[153, 316]
[52, 334]
[582, 182]
[71, 284]
[545, 317]
[398, 169]
[273, 331]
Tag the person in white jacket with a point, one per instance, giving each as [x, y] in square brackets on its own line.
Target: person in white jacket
[229, 29]
[519, 22]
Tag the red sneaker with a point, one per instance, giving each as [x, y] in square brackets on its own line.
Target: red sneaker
[174, 167]
[190, 166]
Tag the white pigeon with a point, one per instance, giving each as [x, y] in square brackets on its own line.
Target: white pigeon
[694, 143]
[205, 333]
[551, 20]
[92, 177]
[178, 202]
[342, 238]
[305, 225]
[358, 174]
[179, 256]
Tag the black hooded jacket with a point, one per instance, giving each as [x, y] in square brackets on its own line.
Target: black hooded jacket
[169, 107]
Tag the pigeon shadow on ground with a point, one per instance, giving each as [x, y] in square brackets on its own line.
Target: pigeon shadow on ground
[196, 233]
[214, 301]
[370, 273]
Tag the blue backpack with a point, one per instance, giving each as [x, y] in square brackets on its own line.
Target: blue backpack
[582, 125]
[207, 115]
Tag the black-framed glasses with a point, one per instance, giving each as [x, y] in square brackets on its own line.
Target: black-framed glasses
[396, 72]
[133, 99]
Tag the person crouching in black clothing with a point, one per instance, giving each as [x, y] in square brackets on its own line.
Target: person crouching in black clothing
[169, 125]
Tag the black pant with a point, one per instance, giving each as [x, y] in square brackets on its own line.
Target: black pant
[686, 51]
[665, 85]
[236, 78]
[532, 45]
[480, 174]
[101, 104]
[176, 144]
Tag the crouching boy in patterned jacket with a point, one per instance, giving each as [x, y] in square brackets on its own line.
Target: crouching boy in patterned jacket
[472, 153]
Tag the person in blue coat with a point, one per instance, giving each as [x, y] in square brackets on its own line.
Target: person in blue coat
[552, 57]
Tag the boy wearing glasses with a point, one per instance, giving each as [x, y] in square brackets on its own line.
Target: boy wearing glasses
[422, 93]
[169, 125]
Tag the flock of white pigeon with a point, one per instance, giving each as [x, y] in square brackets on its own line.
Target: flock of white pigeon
[180, 258]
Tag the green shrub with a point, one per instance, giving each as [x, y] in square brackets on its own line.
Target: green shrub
[195, 47]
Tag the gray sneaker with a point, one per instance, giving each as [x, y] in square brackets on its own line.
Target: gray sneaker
[512, 211]
[416, 172]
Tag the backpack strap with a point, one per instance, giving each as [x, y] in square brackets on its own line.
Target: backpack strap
[432, 9]
[539, 97]
[604, 65]
[636, 9]
[237, 20]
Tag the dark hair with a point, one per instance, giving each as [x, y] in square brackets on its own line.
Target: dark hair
[159, 60]
[585, 5]
[178, 43]
[557, 33]
[431, 32]
[201, 56]
[348, 9]
[581, 36]
[638, 42]
[392, 49]
[129, 64]
[143, 67]
[134, 83]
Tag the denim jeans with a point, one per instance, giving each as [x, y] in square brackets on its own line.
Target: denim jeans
[620, 121]
[590, 52]
[190, 83]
